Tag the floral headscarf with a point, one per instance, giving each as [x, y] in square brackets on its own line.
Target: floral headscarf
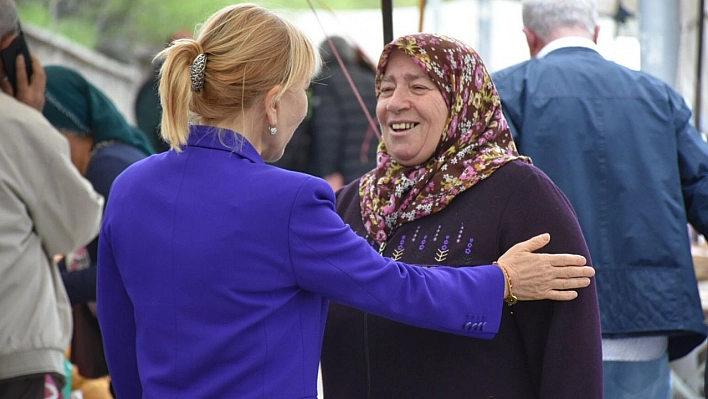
[476, 140]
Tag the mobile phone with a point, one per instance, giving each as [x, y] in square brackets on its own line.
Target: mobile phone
[9, 59]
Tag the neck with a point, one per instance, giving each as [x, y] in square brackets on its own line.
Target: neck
[536, 43]
[249, 125]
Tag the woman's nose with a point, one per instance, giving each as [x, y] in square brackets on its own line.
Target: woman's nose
[398, 101]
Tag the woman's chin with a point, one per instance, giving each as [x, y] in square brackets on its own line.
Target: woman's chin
[407, 159]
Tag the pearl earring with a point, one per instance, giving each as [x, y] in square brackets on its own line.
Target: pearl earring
[273, 130]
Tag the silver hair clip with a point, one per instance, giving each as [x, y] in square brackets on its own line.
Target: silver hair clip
[196, 72]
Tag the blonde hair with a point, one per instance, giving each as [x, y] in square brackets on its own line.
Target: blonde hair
[249, 51]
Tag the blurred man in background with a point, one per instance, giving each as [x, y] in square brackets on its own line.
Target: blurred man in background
[620, 144]
[46, 208]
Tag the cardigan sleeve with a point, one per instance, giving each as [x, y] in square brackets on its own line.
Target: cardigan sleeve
[328, 258]
[570, 338]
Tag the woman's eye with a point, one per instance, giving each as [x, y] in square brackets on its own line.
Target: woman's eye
[386, 90]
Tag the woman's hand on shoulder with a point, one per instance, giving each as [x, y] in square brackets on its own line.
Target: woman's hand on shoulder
[537, 276]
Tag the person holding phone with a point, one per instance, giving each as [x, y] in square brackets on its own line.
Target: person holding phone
[18, 46]
[46, 208]
[21, 74]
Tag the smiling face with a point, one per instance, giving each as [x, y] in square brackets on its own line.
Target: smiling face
[411, 111]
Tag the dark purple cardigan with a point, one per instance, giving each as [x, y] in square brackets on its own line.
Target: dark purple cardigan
[545, 349]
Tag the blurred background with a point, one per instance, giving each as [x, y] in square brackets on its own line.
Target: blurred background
[112, 43]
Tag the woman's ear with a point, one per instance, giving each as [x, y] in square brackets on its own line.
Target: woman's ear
[272, 105]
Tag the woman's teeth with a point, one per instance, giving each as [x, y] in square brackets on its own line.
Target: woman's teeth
[402, 126]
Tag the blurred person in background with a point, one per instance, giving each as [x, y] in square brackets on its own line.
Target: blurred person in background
[621, 146]
[343, 140]
[103, 144]
[148, 110]
[46, 208]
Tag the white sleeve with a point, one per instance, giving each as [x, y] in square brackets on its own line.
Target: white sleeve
[65, 209]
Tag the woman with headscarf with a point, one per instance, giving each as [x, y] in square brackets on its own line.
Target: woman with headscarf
[450, 188]
[102, 144]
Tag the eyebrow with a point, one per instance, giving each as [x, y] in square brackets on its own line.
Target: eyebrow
[409, 77]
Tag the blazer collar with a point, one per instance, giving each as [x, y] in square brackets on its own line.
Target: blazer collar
[222, 140]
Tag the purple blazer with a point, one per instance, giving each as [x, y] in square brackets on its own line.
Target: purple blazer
[215, 270]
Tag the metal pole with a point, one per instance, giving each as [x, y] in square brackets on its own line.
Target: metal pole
[697, 111]
[387, 13]
[484, 46]
[421, 14]
[659, 26]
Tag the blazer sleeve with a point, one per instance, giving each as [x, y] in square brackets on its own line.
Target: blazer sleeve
[565, 335]
[328, 258]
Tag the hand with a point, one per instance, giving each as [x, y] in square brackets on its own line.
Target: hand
[544, 276]
[29, 93]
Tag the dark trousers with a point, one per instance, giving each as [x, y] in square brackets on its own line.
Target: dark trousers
[32, 387]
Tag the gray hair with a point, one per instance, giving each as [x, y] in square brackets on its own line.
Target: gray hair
[8, 17]
[544, 16]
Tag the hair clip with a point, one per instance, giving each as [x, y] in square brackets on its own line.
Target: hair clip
[196, 72]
